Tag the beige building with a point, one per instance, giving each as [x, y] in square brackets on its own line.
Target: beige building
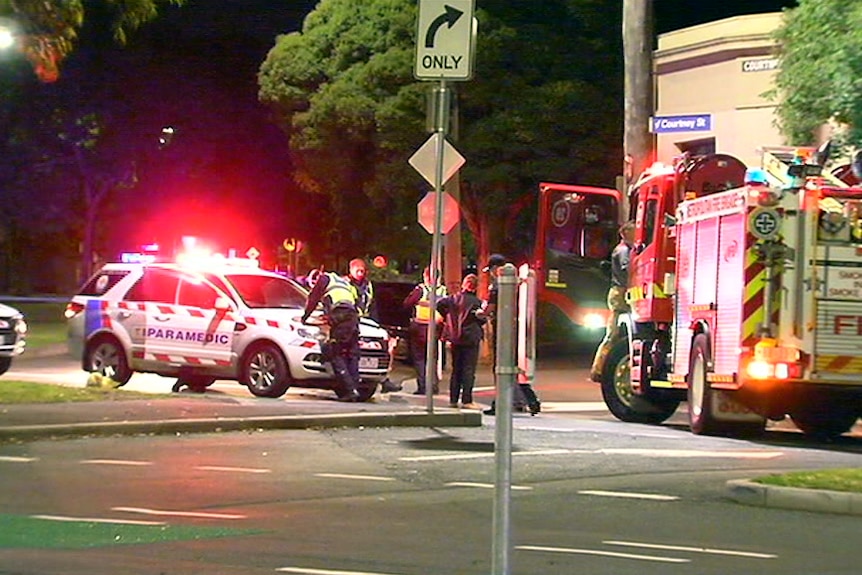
[710, 85]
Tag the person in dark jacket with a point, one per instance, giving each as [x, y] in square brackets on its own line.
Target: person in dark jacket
[524, 396]
[462, 328]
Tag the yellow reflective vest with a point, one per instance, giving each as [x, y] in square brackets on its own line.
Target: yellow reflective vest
[422, 310]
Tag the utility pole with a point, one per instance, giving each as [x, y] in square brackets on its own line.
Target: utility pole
[639, 104]
[452, 268]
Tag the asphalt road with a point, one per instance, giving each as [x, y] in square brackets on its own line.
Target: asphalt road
[587, 496]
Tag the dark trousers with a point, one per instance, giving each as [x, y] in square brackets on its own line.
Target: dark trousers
[418, 347]
[343, 348]
[463, 377]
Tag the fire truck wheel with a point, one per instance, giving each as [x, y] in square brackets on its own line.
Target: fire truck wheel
[824, 421]
[5, 364]
[105, 355]
[618, 395]
[700, 394]
[265, 371]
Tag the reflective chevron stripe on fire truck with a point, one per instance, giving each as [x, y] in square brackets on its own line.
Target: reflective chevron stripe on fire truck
[755, 284]
[838, 364]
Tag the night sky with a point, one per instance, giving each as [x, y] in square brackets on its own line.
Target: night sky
[207, 55]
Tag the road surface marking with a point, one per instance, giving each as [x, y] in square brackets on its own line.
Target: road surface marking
[626, 495]
[693, 453]
[573, 406]
[456, 456]
[347, 476]
[14, 459]
[693, 549]
[485, 485]
[144, 511]
[115, 462]
[237, 469]
[602, 553]
[95, 520]
[310, 571]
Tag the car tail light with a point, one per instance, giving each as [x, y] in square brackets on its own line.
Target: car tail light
[73, 309]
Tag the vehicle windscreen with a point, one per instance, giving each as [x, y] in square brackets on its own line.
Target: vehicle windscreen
[259, 291]
[583, 227]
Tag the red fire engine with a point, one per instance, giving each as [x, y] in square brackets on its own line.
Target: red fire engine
[745, 297]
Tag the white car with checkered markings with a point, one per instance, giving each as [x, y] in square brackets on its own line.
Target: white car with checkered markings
[202, 324]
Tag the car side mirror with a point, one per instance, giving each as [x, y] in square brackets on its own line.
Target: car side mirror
[222, 303]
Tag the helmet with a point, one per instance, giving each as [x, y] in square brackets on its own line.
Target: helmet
[756, 176]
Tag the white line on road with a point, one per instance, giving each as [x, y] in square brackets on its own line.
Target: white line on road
[486, 485]
[200, 514]
[237, 469]
[573, 406]
[693, 549]
[116, 462]
[626, 495]
[693, 453]
[674, 453]
[348, 476]
[456, 456]
[310, 571]
[602, 553]
[95, 520]
[14, 459]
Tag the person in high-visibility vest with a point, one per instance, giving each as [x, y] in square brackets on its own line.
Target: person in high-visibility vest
[342, 347]
[363, 290]
[419, 300]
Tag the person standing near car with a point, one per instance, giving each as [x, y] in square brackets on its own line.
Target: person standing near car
[342, 347]
[363, 290]
[419, 300]
[525, 395]
[462, 328]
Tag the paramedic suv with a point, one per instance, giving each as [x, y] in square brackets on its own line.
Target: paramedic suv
[221, 319]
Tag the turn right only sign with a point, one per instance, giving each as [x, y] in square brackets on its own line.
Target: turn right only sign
[444, 40]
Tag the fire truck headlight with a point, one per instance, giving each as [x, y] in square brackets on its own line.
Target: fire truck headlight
[594, 320]
[782, 371]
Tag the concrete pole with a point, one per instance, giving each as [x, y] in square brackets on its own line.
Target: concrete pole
[639, 106]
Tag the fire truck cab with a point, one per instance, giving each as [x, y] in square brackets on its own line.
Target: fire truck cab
[745, 295]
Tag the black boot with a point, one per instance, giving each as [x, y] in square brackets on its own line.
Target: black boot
[532, 399]
[490, 410]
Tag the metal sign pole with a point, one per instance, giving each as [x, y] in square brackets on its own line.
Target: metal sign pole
[507, 371]
[431, 379]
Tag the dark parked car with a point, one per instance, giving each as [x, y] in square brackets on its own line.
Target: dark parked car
[391, 314]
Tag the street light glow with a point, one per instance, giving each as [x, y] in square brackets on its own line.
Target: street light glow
[7, 38]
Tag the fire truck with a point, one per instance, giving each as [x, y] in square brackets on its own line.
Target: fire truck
[745, 296]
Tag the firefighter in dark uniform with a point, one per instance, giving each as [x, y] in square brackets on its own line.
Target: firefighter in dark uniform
[342, 347]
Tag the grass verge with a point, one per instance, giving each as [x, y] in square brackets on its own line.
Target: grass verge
[849, 480]
[18, 392]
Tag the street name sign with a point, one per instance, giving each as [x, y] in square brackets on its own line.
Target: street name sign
[687, 123]
[444, 40]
